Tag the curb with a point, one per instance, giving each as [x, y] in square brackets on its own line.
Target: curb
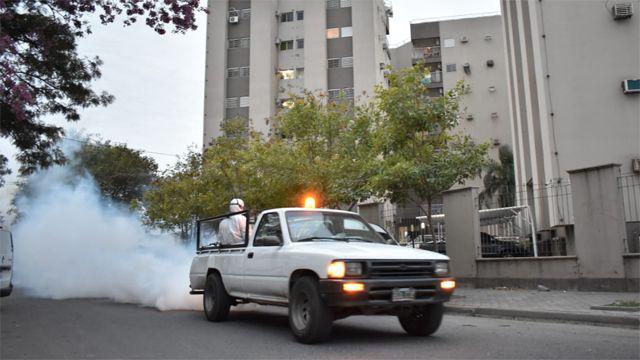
[546, 315]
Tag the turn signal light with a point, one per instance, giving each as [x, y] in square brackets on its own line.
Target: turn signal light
[336, 269]
[352, 287]
[447, 284]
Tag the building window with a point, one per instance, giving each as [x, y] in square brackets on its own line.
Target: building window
[299, 15]
[333, 4]
[238, 72]
[233, 43]
[348, 93]
[334, 63]
[347, 62]
[244, 101]
[335, 94]
[345, 3]
[238, 43]
[451, 67]
[231, 103]
[289, 74]
[333, 33]
[286, 17]
[286, 45]
[300, 43]
[232, 72]
[245, 14]
[347, 31]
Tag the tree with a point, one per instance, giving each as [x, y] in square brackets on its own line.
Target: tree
[121, 173]
[499, 180]
[331, 148]
[42, 74]
[421, 156]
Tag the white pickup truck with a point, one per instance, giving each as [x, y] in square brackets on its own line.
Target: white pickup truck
[323, 265]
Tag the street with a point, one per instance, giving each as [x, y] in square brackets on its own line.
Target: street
[96, 328]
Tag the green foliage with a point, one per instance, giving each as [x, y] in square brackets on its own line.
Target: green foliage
[421, 156]
[122, 173]
[499, 180]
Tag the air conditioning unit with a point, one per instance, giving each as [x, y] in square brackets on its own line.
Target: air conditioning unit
[622, 11]
[492, 89]
[631, 86]
[635, 165]
[464, 39]
[470, 117]
[234, 19]
[488, 37]
[496, 142]
[490, 63]
[386, 72]
[494, 115]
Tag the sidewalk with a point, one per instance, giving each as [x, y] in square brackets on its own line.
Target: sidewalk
[556, 305]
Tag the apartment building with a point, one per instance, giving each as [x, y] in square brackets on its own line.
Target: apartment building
[260, 52]
[568, 65]
[469, 49]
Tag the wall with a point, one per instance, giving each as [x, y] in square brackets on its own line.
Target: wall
[215, 70]
[481, 102]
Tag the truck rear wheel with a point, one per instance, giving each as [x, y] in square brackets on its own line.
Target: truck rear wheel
[422, 321]
[216, 301]
[309, 317]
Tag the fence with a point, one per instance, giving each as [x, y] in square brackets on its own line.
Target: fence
[629, 186]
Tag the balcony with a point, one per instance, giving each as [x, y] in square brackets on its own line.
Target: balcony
[426, 54]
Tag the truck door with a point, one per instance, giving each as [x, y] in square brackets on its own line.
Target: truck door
[264, 275]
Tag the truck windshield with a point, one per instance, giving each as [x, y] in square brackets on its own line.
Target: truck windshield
[329, 226]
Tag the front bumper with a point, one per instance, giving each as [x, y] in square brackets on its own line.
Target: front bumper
[377, 292]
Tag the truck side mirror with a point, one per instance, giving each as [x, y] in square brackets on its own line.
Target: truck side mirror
[268, 240]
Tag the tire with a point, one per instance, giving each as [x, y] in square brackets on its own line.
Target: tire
[423, 321]
[7, 291]
[216, 301]
[310, 318]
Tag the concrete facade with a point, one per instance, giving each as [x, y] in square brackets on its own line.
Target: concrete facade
[448, 46]
[461, 206]
[279, 48]
[567, 105]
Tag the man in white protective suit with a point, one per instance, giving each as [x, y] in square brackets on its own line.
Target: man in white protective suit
[232, 229]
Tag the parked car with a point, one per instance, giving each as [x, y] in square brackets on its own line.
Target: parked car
[6, 264]
[493, 247]
[384, 234]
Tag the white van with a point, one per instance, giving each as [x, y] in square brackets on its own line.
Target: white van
[6, 264]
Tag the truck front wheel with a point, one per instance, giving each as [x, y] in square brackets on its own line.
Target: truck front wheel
[309, 317]
[216, 301]
[422, 321]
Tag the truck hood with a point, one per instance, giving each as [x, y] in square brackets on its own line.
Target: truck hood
[362, 250]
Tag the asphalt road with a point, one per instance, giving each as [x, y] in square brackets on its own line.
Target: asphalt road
[41, 328]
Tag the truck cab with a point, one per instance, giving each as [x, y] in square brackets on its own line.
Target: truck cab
[323, 265]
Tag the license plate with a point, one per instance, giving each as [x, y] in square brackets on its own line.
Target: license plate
[403, 294]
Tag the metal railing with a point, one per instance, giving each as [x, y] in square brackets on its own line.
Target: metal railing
[426, 53]
[629, 186]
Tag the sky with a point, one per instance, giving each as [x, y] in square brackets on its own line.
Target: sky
[158, 82]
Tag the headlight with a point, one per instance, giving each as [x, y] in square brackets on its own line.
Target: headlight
[336, 269]
[340, 269]
[442, 268]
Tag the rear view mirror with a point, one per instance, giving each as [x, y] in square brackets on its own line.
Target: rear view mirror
[268, 240]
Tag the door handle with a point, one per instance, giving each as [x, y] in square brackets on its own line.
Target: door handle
[250, 255]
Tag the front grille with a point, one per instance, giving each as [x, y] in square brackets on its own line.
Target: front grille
[391, 269]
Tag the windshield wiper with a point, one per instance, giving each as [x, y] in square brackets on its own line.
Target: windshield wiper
[359, 239]
[312, 238]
